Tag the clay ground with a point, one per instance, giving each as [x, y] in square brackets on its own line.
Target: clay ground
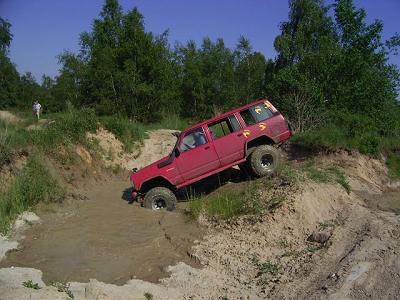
[125, 249]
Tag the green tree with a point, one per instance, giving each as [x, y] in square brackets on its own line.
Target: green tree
[9, 77]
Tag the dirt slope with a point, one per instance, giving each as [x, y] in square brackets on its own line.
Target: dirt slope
[159, 144]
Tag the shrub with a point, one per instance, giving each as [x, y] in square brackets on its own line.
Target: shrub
[32, 185]
[5, 149]
[125, 130]
[393, 163]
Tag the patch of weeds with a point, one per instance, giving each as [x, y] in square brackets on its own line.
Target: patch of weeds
[293, 253]
[327, 175]
[318, 175]
[31, 285]
[5, 148]
[275, 202]
[265, 269]
[148, 296]
[297, 254]
[326, 224]
[288, 174]
[284, 243]
[340, 178]
[63, 288]
[393, 164]
[226, 204]
[30, 186]
[313, 249]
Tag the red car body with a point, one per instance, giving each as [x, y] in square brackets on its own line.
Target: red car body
[237, 131]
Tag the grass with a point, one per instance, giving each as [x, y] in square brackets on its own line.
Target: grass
[63, 288]
[148, 296]
[327, 175]
[32, 185]
[31, 285]
[393, 164]
[5, 149]
[226, 204]
[332, 138]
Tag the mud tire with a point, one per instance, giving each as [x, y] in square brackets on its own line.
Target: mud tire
[160, 198]
[264, 161]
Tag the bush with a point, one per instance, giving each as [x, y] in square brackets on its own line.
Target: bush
[393, 163]
[347, 131]
[125, 130]
[32, 185]
[5, 149]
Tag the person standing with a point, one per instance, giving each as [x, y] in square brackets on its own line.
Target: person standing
[36, 109]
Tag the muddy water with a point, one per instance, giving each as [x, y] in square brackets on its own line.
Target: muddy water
[107, 239]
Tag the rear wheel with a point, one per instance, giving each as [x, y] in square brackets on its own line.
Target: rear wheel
[264, 160]
[160, 198]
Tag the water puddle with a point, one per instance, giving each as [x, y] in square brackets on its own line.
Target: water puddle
[107, 239]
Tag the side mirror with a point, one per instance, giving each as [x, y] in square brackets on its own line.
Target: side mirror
[176, 133]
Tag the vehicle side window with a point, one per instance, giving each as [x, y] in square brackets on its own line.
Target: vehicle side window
[223, 127]
[248, 117]
[255, 114]
[193, 139]
[234, 122]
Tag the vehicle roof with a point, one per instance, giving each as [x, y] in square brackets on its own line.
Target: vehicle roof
[225, 114]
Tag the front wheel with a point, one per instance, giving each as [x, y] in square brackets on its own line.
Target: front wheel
[160, 198]
[264, 161]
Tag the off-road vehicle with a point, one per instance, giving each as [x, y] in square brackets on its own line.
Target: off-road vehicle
[246, 136]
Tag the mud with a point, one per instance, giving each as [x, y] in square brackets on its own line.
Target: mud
[106, 238]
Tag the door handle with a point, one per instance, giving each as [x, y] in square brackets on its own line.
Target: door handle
[240, 134]
[207, 147]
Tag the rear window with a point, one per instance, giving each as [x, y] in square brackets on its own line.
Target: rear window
[255, 114]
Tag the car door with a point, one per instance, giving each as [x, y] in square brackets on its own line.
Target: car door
[228, 139]
[197, 155]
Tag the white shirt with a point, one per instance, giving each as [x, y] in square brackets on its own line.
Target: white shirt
[37, 107]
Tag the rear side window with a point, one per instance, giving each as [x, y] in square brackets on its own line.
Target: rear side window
[223, 127]
[255, 114]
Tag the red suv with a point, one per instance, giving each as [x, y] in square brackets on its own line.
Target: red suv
[244, 136]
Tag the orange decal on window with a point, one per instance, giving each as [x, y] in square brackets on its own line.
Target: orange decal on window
[258, 110]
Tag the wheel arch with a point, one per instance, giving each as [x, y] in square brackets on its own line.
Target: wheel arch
[261, 140]
[158, 181]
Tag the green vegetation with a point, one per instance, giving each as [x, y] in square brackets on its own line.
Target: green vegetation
[31, 285]
[127, 131]
[226, 204]
[32, 185]
[326, 175]
[5, 149]
[393, 163]
[63, 288]
[148, 296]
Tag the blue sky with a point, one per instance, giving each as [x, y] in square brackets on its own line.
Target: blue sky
[42, 29]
